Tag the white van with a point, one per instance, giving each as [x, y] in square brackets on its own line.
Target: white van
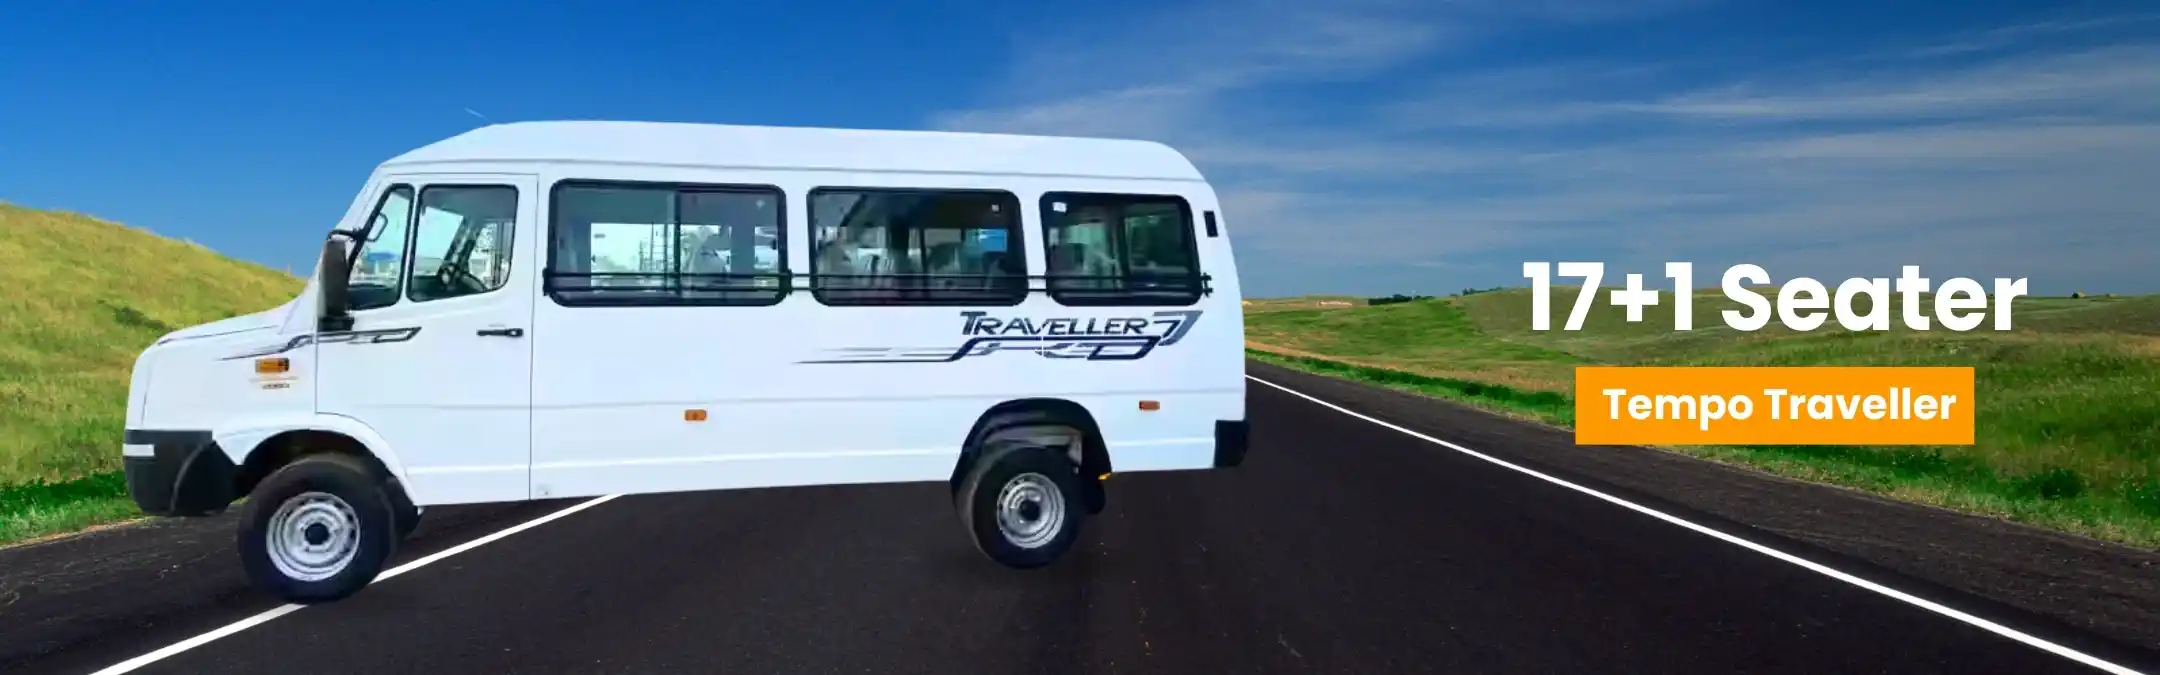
[567, 309]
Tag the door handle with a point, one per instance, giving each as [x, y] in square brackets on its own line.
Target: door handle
[502, 332]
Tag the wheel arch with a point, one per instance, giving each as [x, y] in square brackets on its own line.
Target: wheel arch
[1025, 412]
[260, 448]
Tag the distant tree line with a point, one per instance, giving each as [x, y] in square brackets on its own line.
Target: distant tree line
[1398, 297]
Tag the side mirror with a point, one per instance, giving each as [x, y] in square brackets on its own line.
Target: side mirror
[333, 314]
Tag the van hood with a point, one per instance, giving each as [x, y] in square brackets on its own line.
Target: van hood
[263, 320]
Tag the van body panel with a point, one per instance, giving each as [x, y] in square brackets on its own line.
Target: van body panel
[516, 393]
[454, 402]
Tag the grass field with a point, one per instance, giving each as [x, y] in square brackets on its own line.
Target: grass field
[2067, 424]
[84, 296]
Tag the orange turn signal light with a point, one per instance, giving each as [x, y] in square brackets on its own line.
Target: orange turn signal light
[694, 415]
[272, 365]
[1150, 405]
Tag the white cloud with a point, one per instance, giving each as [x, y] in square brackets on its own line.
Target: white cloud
[2034, 140]
[2016, 154]
[1156, 75]
[2010, 36]
[1147, 111]
[2108, 79]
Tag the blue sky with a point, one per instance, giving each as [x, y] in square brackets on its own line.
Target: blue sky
[1361, 146]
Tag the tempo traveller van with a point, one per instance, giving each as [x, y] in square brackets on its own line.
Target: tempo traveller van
[548, 310]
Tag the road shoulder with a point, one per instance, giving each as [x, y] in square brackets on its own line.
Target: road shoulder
[2105, 589]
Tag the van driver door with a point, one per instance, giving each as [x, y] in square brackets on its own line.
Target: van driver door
[438, 361]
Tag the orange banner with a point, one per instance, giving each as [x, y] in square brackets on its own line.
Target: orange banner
[1818, 405]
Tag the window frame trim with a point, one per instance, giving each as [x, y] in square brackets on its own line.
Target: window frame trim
[1016, 240]
[1123, 298]
[413, 248]
[674, 190]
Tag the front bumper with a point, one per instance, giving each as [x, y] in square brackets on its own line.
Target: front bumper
[1231, 439]
[186, 474]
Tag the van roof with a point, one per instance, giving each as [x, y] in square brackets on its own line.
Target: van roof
[805, 148]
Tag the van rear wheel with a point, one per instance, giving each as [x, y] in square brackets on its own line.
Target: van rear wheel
[1023, 506]
[317, 530]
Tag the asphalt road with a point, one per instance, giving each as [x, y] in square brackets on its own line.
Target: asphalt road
[1341, 546]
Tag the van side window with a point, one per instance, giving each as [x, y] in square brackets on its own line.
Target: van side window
[878, 246]
[1113, 249]
[378, 267]
[461, 245]
[625, 243]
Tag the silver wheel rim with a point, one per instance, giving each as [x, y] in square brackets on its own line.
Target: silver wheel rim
[1026, 495]
[313, 536]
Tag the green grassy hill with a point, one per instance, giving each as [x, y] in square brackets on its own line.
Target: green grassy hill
[1253, 305]
[2068, 428]
[84, 296]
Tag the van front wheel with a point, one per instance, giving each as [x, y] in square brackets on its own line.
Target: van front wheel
[404, 515]
[1022, 505]
[317, 530]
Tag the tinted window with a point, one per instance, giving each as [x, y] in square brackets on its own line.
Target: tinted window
[633, 244]
[462, 243]
[1120, 249]
[882, 246]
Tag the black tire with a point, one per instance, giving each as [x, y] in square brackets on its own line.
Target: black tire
[366, 513]
[406, 515]
[978, 503]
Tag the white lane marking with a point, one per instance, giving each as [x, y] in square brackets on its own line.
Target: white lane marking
[265, 617]
[1901, 596]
